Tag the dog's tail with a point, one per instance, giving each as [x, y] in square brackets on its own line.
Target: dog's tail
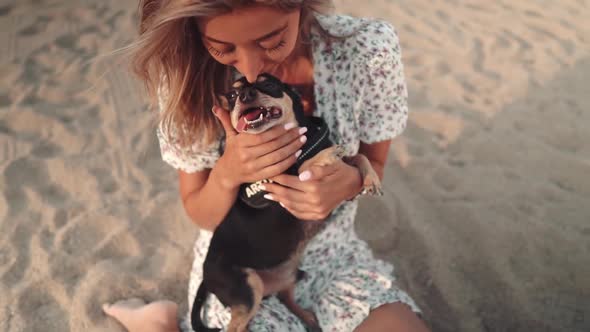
[196, 321]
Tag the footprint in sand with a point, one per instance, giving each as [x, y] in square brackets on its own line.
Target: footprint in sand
[68, 272]
[19, 261]
[97, 232]
[41, 310]
[7, 258]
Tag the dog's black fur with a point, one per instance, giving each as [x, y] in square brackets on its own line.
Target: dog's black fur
[257, 238]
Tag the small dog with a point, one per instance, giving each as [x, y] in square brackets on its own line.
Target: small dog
[256, 250]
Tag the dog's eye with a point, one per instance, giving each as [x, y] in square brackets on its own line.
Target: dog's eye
[232, 96]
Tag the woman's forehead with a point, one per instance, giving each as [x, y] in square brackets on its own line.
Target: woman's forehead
[245, 24]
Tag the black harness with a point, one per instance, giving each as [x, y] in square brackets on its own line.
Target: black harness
[317, 140]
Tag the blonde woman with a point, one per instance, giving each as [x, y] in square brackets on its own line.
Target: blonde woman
[348, 71]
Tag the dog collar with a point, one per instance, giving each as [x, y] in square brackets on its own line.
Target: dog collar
[318, 139]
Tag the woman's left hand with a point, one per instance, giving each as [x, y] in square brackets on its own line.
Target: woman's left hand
[313, 196]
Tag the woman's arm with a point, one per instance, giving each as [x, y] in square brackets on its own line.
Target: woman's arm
[377, 154]
[205, 199]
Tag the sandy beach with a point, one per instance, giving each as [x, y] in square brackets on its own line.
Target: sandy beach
[486, 212]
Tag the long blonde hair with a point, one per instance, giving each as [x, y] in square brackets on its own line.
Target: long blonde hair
[169, 55]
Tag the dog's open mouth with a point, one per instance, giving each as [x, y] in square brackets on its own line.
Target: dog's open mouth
[255, 117]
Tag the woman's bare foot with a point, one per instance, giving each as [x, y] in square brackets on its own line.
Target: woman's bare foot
[137, 316]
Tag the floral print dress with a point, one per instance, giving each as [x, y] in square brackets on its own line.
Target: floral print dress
[361, 93]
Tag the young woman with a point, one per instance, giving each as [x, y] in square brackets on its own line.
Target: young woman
[349, 72]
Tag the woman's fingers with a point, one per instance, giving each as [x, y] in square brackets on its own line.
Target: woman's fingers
[282, 153]
[281, 193]
[319, 172]
[274, 157]
[255, 140]
[294, 182]
[303, 214]
[293, 135]
[277, 168]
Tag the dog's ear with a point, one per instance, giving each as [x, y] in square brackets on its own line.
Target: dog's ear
[291, 89]
[223, 102]
[292, 92]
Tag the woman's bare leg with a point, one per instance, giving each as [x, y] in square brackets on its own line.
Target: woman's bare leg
[392, 317]
[137, 316]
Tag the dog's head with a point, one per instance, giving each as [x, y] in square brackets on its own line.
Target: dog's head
[256, 107]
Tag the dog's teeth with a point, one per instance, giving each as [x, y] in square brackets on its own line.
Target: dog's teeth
[260, 118]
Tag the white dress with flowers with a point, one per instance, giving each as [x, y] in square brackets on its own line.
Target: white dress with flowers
[361, 93]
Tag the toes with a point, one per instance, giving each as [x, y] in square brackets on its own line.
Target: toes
[123, 305]
[106, 308]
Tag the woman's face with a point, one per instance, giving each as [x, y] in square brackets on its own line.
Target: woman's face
[254, 39]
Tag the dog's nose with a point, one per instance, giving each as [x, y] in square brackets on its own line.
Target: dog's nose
[247, 95]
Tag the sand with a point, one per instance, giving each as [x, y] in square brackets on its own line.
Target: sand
[486, 213]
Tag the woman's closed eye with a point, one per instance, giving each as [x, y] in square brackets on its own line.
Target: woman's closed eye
[220, 53]
[277, 47]
[215, 52]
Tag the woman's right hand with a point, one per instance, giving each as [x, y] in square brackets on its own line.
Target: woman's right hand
[249, 158]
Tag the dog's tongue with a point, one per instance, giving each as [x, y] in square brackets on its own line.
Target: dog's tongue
[241, 125]
[253, 115]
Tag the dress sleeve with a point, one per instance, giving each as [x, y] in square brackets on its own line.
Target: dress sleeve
[382, 103]
[190, 160]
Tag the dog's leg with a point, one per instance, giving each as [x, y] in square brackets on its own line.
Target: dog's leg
[370, 178]
[330, 155]
[287, 297]
[241, 314]
[323, 158]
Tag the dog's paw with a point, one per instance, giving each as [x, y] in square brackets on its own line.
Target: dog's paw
[372, 184]
[339, 151]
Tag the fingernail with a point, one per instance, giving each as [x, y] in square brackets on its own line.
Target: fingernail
[302, 130]
[283, 205]
[269, 196]
[290, 125]
[303, 139]
[305, 176]
[297, 154]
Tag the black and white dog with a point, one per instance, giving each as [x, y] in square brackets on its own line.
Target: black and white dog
[256, 250]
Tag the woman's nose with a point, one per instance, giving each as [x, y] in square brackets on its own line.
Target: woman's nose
[250, 66]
